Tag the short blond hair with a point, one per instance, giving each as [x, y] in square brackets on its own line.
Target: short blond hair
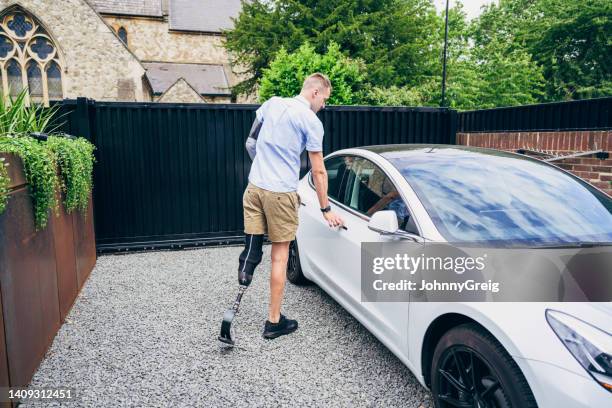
[318, 80]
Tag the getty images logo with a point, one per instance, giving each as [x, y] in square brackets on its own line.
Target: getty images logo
[412, 264]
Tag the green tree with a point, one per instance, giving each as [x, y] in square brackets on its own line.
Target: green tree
[393, 96]
[502, 22]
[572, 41]
[568, 39]
[463, 79]
[287, 72]
[396, 39]
[509, 77]
[515, 52]
[483, 72]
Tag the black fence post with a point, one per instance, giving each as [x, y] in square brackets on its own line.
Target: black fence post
[82, 118]
[82, 126]
[452, 126]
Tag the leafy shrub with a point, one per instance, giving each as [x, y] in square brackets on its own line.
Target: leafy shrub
[392, 96]
[288, 71]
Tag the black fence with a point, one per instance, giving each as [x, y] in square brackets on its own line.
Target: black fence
[172, 175]
[589, 114]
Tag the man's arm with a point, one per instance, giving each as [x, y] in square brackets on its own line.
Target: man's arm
[251, 141]
[319, 177]
[382, 203]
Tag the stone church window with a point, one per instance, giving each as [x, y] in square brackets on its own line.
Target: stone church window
[15, 82]
[122, 33]
[6, 46]
[28, 57]
[54, 79]
[20, 25]
[35, 80]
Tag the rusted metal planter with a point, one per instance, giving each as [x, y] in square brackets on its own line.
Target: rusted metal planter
[84, 243]
[65, 260]
[41, 273]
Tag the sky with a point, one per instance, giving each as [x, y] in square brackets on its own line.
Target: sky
[471, 7]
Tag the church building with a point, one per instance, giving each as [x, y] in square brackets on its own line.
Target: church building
[118, 50]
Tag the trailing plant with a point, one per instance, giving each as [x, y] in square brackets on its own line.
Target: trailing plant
[18, 119]
[75, 160]
[40, 171]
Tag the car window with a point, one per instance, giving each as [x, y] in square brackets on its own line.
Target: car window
[368, 190]
[336, 168]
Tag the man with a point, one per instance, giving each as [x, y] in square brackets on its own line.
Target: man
[282, 129]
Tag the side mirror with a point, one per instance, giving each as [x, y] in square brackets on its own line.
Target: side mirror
[384, 222]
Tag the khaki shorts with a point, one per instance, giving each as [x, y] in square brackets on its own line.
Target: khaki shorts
[271, 212]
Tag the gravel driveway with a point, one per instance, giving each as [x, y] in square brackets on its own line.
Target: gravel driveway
[144, 331]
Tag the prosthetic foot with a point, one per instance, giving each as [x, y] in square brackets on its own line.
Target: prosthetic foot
[248, 261]
[228, 317]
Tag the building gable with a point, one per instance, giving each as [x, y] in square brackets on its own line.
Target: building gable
[181, 92]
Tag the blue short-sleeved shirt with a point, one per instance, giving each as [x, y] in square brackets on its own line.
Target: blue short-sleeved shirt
[288, 127]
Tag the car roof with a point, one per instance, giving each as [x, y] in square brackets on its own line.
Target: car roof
[412, 150]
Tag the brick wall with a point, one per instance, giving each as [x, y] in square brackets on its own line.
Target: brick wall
[596, 171]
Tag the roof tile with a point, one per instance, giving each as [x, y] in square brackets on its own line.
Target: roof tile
[203, 15]
[131, 7]
[206, 79]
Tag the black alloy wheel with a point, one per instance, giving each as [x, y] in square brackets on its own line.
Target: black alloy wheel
[467, 380]
[294, 268]
[471, 369]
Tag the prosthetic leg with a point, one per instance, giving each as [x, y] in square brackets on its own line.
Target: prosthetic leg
[248, 261]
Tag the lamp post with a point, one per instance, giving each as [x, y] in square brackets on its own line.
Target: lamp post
[442, 102]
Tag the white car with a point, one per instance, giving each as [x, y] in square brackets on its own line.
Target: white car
[471, 354]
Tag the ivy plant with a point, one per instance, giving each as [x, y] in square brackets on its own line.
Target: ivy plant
[71, 157]
[75, 161]
[40, 171]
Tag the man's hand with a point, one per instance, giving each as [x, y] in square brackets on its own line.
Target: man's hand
[333, 220]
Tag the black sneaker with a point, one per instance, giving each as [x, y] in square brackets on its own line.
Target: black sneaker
[284, 326]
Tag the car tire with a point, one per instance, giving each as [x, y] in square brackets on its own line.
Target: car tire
[294, 268]
[471, 350]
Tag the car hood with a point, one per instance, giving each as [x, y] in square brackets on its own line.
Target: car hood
[605, 307]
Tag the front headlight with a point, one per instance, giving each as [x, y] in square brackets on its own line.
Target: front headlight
[591, 346]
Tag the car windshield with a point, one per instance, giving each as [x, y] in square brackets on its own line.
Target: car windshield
[496, 197]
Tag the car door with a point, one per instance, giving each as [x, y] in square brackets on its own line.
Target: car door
[316, 240]
[370, 190]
